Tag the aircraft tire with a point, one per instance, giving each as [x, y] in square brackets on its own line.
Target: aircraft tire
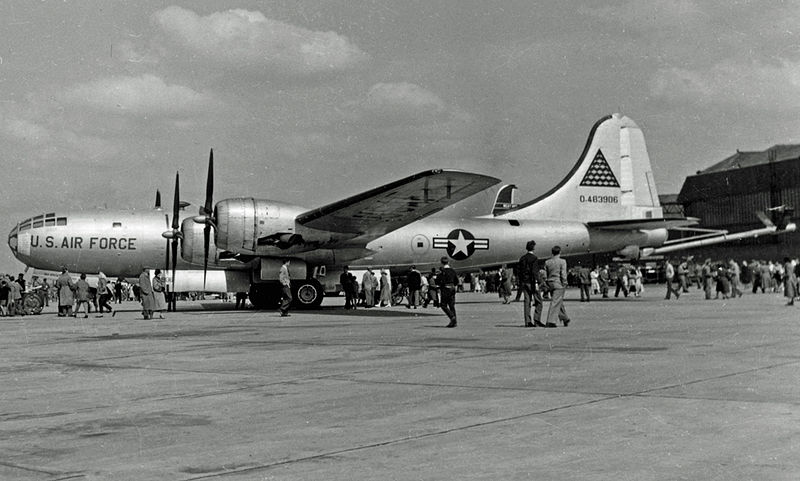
[307, 293]
[32, 303]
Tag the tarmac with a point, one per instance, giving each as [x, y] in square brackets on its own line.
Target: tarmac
[634, 389]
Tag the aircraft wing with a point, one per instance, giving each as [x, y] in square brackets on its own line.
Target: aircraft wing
[644, 224]
[391, 206]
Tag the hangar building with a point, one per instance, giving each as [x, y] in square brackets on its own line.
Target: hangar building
[728, 194]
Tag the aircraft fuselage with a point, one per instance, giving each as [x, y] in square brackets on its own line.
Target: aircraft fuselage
[117, 243]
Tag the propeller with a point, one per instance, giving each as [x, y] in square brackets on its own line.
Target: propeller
[174, 233]
[158, 199]
[207, 214]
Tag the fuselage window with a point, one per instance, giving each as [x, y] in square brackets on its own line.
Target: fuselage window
[116, 225]
[61, 221]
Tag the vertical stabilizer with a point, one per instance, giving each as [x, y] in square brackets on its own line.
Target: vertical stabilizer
[612, 180]
[504, 200]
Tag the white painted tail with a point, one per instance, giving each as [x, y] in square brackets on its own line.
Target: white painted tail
[612, 180]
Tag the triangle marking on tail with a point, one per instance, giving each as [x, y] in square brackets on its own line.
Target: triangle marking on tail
[599, 173]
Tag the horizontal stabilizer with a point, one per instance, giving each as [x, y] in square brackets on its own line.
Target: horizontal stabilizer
[644, 224]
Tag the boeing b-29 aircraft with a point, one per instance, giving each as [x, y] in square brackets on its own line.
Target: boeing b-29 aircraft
[607, 203]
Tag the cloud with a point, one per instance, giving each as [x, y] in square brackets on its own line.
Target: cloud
[25, 130]
[754, 84]
[651, 15]
[138, 95]
[127, 51]
[250, 38]
[402, 103]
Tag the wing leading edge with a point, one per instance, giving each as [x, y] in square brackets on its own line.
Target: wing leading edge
[391, 206]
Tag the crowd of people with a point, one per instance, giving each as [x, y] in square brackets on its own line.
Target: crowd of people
[534, 280]
[539, 282]
[80, 297]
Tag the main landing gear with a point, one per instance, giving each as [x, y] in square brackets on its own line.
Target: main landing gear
[307, 294]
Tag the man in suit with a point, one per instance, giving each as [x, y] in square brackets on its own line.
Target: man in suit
[528, 271]
[556, 275]
[448, 283]
[286, 288]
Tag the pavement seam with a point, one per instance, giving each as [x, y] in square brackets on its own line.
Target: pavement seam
[391, 442]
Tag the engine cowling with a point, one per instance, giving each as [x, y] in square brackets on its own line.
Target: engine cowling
[252, 226]
[192, 244]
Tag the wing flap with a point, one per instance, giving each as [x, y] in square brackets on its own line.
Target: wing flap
[396, 204]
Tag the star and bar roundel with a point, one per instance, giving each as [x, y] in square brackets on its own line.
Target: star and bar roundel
[460, 244]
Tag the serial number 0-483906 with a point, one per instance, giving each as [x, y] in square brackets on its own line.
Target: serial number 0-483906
[600, 199]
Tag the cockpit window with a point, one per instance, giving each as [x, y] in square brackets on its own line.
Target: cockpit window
[41, 221]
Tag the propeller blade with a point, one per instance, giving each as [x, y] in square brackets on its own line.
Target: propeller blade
[174, 260]
[176, 206]
[176, 203]
[166, 249]
[209, 183]
[208, 212]
[158, 199]
[206, 238]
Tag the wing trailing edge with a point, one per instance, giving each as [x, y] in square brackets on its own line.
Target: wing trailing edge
[391, 206]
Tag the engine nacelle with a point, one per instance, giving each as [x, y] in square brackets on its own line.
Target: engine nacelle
[192, 244]
[253, 226]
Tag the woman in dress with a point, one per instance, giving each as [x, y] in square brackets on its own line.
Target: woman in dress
[159, 299]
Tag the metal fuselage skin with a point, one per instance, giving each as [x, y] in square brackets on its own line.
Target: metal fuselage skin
[118, 243]
[121, 243]
[490, 242]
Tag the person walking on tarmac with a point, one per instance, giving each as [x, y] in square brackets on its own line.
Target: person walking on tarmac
[414, 281]
[585, 281]
[669, 272]
[707, 274]
[556, 269]
[146, 293]
[286, 288]
[528, 270]
[104, 293]
[448, 283]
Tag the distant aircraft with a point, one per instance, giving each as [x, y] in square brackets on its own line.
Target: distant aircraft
[608, 203]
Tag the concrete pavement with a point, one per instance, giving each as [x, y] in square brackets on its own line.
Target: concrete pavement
[640, 389]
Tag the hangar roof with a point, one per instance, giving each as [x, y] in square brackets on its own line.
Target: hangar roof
[749, 159]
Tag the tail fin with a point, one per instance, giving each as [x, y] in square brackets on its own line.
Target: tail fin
[612, 180]
[504, 200]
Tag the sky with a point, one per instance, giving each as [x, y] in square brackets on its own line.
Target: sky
[308, 102]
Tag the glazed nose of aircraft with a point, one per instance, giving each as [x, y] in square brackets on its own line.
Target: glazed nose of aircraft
[13, 240]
